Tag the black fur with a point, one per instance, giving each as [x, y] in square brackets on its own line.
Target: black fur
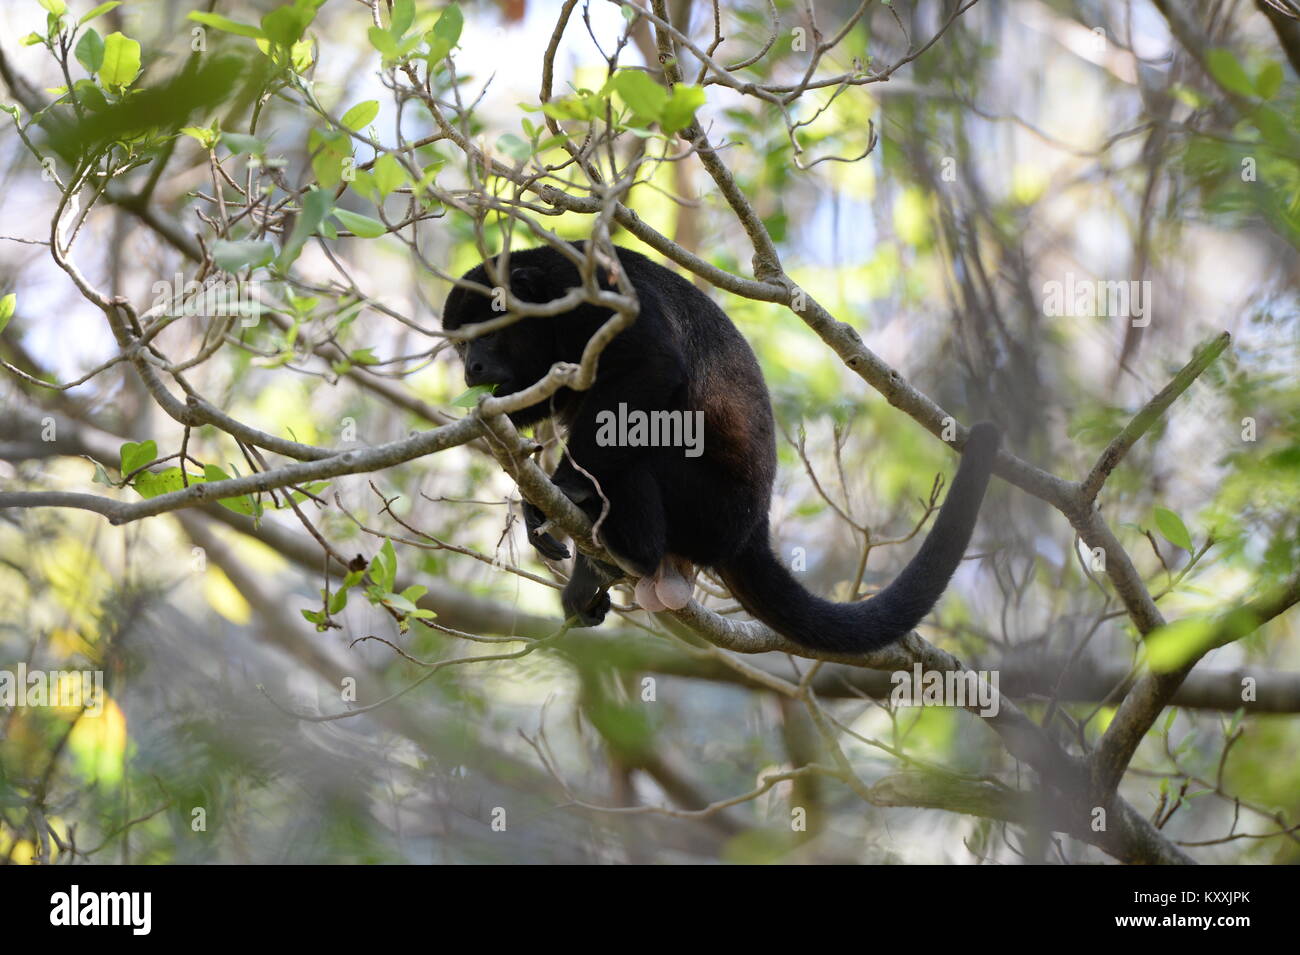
[684, 354]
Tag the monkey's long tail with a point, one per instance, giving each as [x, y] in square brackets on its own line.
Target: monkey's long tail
[767, 590]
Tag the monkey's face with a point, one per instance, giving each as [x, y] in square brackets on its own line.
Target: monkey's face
[485, 361]
[513, 357]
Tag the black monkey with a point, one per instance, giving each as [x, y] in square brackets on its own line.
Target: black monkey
[667, 510]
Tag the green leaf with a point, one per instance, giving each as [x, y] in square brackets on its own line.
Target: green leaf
[1170, 646]
[7, 306]
[446, 33]
[1173, 529]
[383, 567]
[469, 398]
[645, 97]
[414, 592]
[32, 39]
[89, 51]
[56, 7]
[514, 147]
[207, 137]
[243, 504]
[402, 17]
[100, 10]
[148, 484]
[90, 95]
[364, 356]
[316, 206]
[357, 224]
[361, 115]
[388, 175]
[232, 256]
[383, 41]
[338, 600]
[286, 25]
[226, 25]
[330, 148]
[681, 107]
[1269, 80]
[121, 61]
[132, 455]
[1229, 72]
[101, 475]
[239, 143]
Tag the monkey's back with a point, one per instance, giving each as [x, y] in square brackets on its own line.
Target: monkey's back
[718, 498]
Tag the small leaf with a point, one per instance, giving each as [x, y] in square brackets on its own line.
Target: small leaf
[1229, 72]
[121, 61]
[681, 107]
[446, 32]
[7, 306]
[1173, 529]
[514, 147]
[132, 455]
[90, 51]
[469, 398]
[361, 115]
[315, 207]
[243, 504]
[101, 475]
[383, 41]
[232, 256]
[383, 568]
[226, 25]
[388, 175]
[357, 224]
[645, 97]
[1269, 80]
[56, 7]
[239, 143]
[148, 484]
[100, 10]
[1170, 646]
[398, 602]
[206, 137]
[402, 17]
[286, 25]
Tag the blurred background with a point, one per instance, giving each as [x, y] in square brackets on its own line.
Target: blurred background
[1035, 142]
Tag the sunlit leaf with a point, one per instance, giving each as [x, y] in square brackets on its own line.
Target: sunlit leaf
[121, 64]
[1173, 529]
[361, 115]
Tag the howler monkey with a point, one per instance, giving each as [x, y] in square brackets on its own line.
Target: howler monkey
[666, 509]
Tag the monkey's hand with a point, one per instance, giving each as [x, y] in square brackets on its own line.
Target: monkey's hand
[546, 544]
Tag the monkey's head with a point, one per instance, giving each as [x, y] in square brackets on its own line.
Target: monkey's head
[513, 357]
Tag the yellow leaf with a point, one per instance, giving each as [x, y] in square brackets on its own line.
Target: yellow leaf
[225, 598]
[98, 744]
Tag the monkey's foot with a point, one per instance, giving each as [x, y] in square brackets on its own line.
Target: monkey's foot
[591, 614]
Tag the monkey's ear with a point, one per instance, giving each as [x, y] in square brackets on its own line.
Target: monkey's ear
[529, 284]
